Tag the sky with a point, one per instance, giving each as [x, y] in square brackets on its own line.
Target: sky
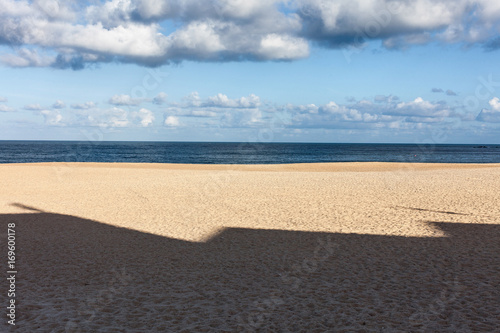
[381, 71]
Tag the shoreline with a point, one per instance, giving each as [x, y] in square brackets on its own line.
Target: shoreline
[284, 167]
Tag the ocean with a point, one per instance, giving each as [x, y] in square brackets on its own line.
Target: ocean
[241, 153]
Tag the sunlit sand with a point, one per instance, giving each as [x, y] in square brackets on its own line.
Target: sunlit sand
[305, 247]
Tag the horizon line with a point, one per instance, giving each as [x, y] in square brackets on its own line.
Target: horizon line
[250, 142]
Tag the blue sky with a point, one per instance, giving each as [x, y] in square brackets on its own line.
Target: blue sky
[234, 70]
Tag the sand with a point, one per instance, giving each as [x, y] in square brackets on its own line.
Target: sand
[341, 247]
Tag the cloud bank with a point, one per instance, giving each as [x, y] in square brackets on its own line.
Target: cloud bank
[73, 35]
[223, 111]
[386, 117]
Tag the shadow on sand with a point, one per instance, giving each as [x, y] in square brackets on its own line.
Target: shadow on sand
[78, 275]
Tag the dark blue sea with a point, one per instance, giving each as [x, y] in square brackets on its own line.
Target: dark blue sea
[241, 153]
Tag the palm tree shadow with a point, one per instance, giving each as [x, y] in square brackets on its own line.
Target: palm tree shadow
[78, 275]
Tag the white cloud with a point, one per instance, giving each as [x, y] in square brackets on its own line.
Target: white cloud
[33, 107]
[197, 37]
[117, 117]
[55, 9]
[495, 104]
[220, 111]
[193, 99]
[281, 47]
[172, 121]
[387, 112]
[130, 31]
[120, 100]
[52, 118]
[227, 112]
[218, 102]
[59, 105]
[95, 117]
[348, 21]
[145, 117]
[199, 113]
[420, 107]
[242, 118]
[26, 58]
[113, 117]
[110, 13]
[3, 99]
[222, 101]
[59, 34]
[83, 106]
[107, 118]
[150, 9]
[310, 108]
[342, 112]
[386, 99]
[160, 99]
[5, 108]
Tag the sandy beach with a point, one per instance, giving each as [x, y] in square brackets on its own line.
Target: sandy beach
[340, 247]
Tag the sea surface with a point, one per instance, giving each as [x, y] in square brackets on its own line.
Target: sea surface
[241, 153]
